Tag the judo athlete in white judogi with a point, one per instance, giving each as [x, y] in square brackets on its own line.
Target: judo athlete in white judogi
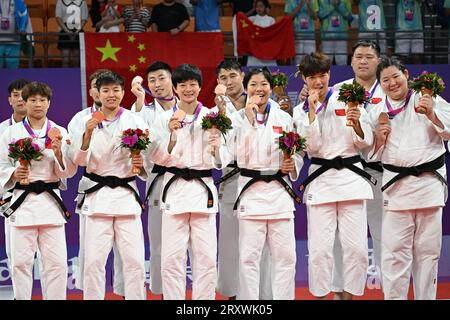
[335, 197]
[155, 114]
[230, 75]
[189, 197]
[411, 148]
[36, 213]
[19, 112]
[76, 127]
[264, 206]
[112, 207]
[365, 59]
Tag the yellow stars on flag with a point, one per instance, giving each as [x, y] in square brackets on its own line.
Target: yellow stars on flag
[133, 68]
[108, 52]
[141, 47]
[244, 23]
[131, 38]
[142, 59]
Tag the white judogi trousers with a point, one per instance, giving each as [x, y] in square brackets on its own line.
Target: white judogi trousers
[178, 232]
[127, 233]
[51, 241]
[228, 262]
[374, 218]
[411, 245]
[280, 236]
[349, 219]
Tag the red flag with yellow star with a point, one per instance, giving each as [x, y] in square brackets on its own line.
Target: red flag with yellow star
[275, 42]
[129, 54]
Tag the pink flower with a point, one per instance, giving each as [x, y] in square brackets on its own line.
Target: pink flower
[130, 140]
[35, 146]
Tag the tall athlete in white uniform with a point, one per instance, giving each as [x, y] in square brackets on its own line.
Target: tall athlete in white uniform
[411, 147]
[229, 74]
[335, 197]
[365, 59]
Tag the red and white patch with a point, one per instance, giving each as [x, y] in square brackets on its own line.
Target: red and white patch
[340, 112]
[375, 100]
[277, 129]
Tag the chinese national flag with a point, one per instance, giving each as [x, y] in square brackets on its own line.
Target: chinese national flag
[275, 42]
[129, 54]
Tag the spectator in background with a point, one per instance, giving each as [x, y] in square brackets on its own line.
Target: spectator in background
[206, 13]
[409, 35]
[169, 16]
[304, 13]
[136, 17]
[188, 5]
[71, 17]
[335, 17]
[97, 6]
[261, 20]
[372, 22]
[111, 17]
[14, 20]
[245, 6]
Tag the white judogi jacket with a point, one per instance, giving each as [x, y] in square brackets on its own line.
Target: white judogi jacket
[76, 127]
[156, 118]
[37, 209]
[191, 151]
[257, 148]
[228, 188]
[329, 137]
[413, 140]
[105, 157]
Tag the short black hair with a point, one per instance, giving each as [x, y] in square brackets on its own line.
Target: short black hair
[17, 85]
[368, 44]
[109, 78]
[387, 62]
[185, 72]
[265, 2]
[314, 63]
[228, 64]
[36, 88]
[96, 74]
[264, 71]
[158, 65]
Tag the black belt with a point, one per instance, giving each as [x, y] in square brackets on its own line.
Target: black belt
[112, 182]
[159, 170]
[337, 163]
[189, 174]
[230, 174]
[431, 166]
[257, 175]
[377, 166]
[37, 187]
[4, 201]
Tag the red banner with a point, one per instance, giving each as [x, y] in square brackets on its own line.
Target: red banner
[271, 43]
[129, 54]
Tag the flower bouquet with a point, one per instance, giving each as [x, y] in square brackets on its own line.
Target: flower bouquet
[427, 83]
[290, 143]
[136, 140]
[216, 120]
[279, 83]
[353, 94]
[24, 150]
